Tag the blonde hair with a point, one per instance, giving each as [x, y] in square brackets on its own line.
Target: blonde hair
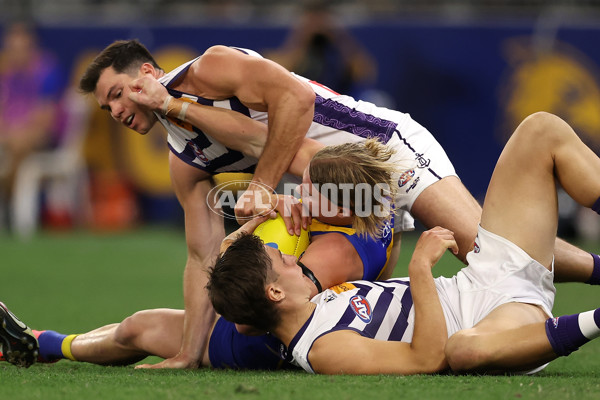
[355, 163]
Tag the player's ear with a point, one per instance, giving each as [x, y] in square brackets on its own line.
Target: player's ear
[148, 68]
[275, 293]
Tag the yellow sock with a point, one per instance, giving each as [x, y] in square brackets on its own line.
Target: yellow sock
[65, 347]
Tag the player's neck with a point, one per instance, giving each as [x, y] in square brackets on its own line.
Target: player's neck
[292, 321]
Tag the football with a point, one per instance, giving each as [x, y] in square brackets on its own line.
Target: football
[274, 233]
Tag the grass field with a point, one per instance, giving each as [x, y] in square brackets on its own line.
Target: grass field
[75, 282]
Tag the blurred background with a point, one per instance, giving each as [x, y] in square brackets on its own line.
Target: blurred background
[467, 70]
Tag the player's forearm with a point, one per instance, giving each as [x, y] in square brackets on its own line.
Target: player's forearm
[289, 121]
[230, 128]
[430, 335]
[303, 156]
[199, 316]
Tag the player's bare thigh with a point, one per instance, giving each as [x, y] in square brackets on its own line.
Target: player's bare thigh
[521, 202]
[496, 342]
[449, 204]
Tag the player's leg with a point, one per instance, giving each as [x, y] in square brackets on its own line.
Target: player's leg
[521, 201]
[519, 337]
[572, 264]
[150, 332]
[449, 204]
[521, 206]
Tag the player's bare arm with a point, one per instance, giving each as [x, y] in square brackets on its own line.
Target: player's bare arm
[330, 355]
[264, 86]
[204, 232]
[231, 128]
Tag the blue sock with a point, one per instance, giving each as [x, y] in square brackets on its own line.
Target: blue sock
[50, 345]
[567, 333]
[595, 278]
[596, 206]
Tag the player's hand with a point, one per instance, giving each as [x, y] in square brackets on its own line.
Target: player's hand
[177, 362]
[148, 92]
[248, 227]
[290, 210]
[432, 245]
[256, 200]
[306, 207]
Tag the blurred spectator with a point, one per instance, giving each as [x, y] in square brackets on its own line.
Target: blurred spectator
[319, 48]
[30, 86]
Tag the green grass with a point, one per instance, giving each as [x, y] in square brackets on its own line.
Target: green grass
[75, 282]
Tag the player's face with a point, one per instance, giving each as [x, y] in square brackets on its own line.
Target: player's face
[289, 273]
[318, 206]
[112, 93]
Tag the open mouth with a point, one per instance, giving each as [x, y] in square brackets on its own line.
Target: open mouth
[129, 120]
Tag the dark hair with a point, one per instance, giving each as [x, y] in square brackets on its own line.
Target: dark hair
[122, 55]
[237, 283]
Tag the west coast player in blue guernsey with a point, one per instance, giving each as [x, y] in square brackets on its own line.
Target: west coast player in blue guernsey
[494, 316]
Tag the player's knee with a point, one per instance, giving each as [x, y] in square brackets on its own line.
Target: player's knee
[129, 329]
[464, 352]
[541, 128]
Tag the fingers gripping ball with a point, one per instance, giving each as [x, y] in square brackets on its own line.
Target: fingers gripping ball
[274, 233]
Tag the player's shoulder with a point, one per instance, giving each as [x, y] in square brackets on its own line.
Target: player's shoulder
[218, 51]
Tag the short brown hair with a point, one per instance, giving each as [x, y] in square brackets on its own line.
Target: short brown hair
[354, 163]
[237, 284]
[122, 55]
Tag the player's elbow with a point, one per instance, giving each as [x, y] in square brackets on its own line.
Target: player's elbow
[304, 96]
[434, 362]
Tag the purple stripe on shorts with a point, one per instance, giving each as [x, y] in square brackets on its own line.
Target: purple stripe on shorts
[336, 115]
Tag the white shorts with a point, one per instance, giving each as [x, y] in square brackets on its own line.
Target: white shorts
[499, 272]
[423, 162]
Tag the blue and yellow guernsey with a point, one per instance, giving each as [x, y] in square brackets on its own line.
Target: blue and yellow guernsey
[374, 253]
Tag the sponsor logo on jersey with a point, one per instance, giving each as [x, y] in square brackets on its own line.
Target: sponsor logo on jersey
[361, 308]
[198, 152]
[386, 233]
[330, 297]
[413, 185]
[406, 177]
[342, 287]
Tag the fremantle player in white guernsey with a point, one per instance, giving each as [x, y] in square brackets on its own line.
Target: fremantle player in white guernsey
[219, 133]
[494, 316]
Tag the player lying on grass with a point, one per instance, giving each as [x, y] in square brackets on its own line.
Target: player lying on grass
[159, 332]
[493, 316]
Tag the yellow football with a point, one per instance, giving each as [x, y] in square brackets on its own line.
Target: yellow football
[274, 233]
